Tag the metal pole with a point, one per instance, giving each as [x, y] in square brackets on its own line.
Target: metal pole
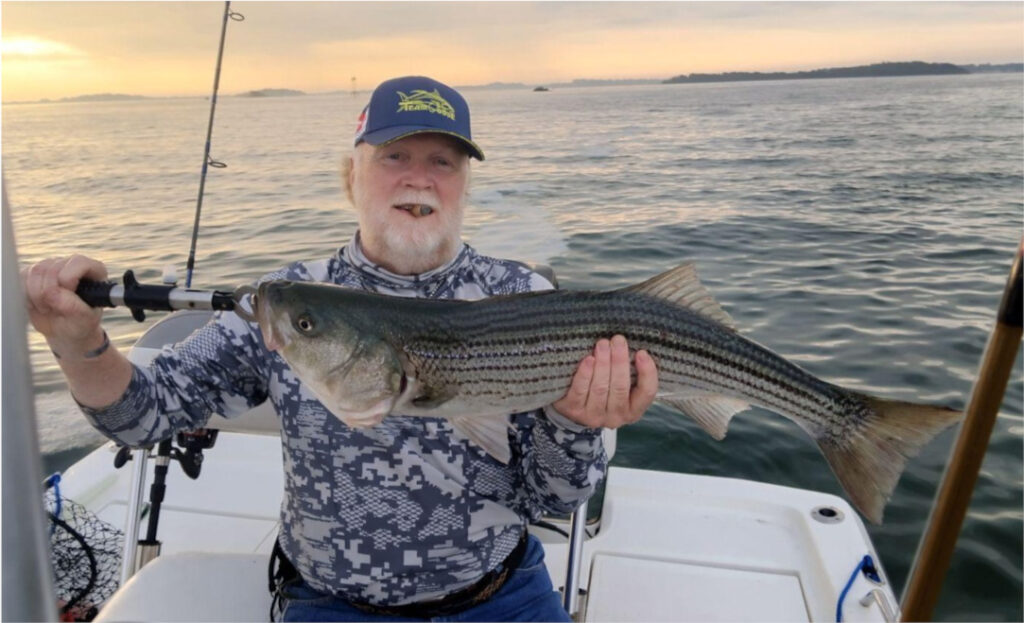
[947, 515]
[28, 593]
[131, 520]
[206, 151]
[577, 534]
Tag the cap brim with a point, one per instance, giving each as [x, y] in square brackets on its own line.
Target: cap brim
[394, 133]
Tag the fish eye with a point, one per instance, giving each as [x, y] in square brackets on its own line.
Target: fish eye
[304, 323]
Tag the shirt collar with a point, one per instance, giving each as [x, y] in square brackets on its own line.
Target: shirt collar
[352, 253]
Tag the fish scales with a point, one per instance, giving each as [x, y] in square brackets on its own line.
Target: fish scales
[505, 343]
[366, 355]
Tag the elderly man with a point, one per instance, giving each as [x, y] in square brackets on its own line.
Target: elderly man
[406, 520]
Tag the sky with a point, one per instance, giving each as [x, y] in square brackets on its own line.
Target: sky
[63, 49]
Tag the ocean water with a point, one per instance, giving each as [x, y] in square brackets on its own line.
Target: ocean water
[863, 228]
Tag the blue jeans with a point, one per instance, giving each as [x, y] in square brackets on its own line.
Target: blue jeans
[527, 595]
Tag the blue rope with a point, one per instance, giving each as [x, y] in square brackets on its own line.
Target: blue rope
[54, 481]
[867, 566]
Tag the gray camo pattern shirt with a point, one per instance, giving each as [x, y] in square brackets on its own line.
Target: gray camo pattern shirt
[406, 511]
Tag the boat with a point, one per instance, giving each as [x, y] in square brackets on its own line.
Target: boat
[540, 89]
[661, 546]
[664, 546]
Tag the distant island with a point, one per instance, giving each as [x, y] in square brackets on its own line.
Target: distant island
[590, 82]
[271, 93]
[913, 68]
[100, 97]
[494, 85]
[989, 68]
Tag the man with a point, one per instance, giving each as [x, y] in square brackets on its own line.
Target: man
[406, 520]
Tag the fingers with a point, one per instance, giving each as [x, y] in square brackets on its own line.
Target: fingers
[601, 393]
[50, 298]
[38, 280]
[80, 267]
[600, 384]
[618, 394]
[580, 388]
[643, 395]
[610, 395]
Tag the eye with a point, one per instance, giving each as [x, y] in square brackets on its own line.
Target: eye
[305, 324]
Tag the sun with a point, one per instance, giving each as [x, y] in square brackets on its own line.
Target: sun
[36, 48]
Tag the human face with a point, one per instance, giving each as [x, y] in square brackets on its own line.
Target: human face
[410, 196]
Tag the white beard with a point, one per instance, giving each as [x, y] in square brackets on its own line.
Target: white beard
[405, 244]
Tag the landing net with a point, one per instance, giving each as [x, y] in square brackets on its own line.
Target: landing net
[86, 556]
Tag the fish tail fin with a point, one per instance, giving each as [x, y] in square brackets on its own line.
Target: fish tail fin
[869, 462]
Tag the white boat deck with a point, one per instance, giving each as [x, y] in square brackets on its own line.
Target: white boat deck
[669, 547]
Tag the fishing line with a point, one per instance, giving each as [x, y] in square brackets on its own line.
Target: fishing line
[207, 160]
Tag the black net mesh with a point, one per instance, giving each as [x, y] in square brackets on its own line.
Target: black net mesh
[86, 556]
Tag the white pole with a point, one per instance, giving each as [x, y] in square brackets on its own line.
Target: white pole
[28, 593]
[577, 534]
[131, 521]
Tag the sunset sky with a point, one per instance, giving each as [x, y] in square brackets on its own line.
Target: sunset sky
[62, 49]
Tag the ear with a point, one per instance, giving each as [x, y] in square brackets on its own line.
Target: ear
[348, 176]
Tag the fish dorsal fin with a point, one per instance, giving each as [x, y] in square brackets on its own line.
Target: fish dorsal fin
[488, 432]
[711, 411]
[681, 286]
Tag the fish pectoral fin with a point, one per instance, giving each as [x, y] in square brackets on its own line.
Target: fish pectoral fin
[711, 411]
[488, 432]
[681, 286]
[431, 398]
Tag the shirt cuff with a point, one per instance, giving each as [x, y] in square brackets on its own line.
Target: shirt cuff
[565, 423]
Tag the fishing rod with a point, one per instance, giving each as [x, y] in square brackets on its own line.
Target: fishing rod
[138, 298]
[207, 161]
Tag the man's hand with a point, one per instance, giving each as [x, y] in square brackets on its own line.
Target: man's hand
[97, 373]
[600, 394]
[67, 322]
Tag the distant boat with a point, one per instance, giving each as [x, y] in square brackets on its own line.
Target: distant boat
[540, 89]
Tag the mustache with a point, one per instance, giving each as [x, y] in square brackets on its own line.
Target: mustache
[419, 198]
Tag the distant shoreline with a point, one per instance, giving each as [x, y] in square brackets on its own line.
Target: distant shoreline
[877, 70]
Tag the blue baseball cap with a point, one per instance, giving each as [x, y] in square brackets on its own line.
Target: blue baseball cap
[410, 105]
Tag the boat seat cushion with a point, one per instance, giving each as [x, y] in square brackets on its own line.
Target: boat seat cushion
[194, 586]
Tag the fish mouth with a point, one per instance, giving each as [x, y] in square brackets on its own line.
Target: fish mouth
[273, 330]
[416, 210]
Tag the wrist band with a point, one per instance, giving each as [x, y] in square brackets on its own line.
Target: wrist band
[94, 353]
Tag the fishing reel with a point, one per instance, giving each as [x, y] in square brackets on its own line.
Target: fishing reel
[189, 455]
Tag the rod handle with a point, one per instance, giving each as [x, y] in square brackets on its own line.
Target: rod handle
[95, 293]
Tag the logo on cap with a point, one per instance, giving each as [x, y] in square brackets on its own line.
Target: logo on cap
[362, 121]
[425, 101]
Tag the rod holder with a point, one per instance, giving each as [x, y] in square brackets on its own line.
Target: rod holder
[132, 517]
[577, 534]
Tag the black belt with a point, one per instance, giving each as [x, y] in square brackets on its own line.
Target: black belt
[462, 599]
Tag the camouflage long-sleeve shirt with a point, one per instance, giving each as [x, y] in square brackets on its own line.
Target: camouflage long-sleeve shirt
[405, 511]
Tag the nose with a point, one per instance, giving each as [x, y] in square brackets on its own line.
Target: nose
[417, 175]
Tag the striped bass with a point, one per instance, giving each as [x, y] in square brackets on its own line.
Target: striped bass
[366, 355]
